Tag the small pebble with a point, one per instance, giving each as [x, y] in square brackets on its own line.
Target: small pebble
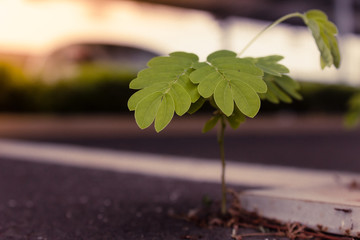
[68, 214]
[29, 204]
[107, 202]
[12, 203]
[174, 196]
[158, 209]
[84, 199]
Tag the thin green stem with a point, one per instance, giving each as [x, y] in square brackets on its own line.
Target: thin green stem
[282, 19]
[223, 164]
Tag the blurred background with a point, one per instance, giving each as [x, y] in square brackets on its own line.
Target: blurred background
[65, 66]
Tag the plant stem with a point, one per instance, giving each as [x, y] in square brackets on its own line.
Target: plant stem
[223, 164]
[282, 19]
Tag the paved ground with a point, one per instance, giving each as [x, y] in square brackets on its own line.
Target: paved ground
[43, 201]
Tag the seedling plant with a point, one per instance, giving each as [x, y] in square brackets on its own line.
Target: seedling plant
[232, 84]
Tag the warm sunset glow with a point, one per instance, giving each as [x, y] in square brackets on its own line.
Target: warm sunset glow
[39, 27]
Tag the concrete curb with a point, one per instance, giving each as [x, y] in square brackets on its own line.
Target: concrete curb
[330, 208]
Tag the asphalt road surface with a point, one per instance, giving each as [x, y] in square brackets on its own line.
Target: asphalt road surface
[51, 202]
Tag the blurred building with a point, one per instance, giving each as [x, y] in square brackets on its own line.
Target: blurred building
[49, 36]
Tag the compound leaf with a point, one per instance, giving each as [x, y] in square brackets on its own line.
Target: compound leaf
[164, 87]
[230, 79]
[324, 33]
[280, 87]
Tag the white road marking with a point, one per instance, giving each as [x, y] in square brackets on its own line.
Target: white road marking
[167, 166]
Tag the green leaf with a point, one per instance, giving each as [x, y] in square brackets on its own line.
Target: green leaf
[199, 65]
[157, 106]
[269, 96]
[147, 109]
[237, 64]
[290, 86]
[230, 79]
[270, 65]
[165, 112]
[246, 99]
[140, 95]
[196, 105]
[236, 118]
[211, 123]
[151, 76]
[164, 87]
[324, 33]
[223, 97]
[255, 83]
[191, 56]
[221, 53]
[208, 78]
[281, 88]
[181, 99]
[278, 92]
[170, 61]
[190, 88]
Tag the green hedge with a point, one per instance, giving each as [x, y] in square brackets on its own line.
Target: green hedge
[16, 90]
[317, 97]
[104, 89]
[94, 89]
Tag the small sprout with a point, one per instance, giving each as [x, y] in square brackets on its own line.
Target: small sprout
[233, 85]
